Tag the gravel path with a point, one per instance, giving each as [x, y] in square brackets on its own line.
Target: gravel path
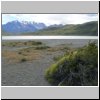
[27, 73]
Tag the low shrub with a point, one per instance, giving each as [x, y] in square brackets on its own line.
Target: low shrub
[3, 44]
[25, 43]
[23, 60]
[36, 43]
[19, 52]
[13, 45]
[78, 68]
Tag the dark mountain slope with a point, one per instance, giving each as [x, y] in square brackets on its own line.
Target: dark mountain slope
[86, 29]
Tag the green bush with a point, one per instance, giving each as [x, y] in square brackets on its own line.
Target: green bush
[23, 60]
[3, 44]
[19, 52]
[13, 45]
[78, 68]
[36, 43]
[25, 43]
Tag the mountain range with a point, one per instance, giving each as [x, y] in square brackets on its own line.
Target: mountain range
[20, 27]
[33, 28]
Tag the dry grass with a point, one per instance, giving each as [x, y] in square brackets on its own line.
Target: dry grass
[30, 53]
[14, 56]
[19, 44]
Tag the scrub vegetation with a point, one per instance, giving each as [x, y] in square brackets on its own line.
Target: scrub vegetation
[76, 68]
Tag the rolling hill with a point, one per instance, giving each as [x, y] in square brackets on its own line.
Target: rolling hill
[86, 29]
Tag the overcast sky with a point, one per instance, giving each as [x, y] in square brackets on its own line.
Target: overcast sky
[50, 19]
